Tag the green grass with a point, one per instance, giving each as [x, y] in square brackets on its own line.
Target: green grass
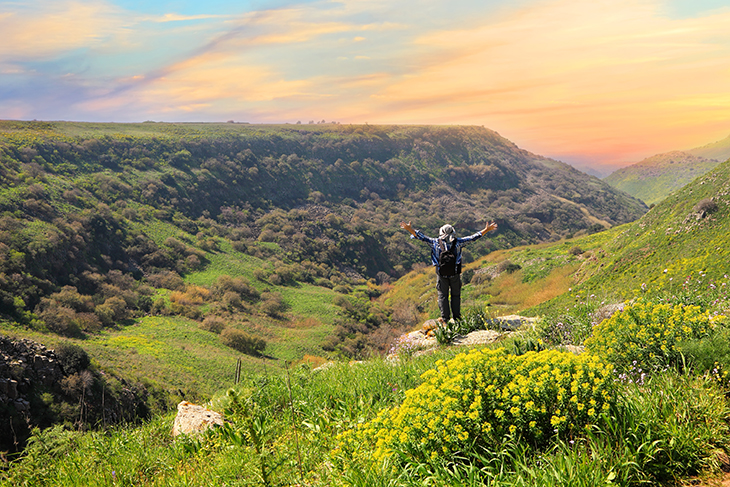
[228, 262]
[665, 430]
[309, 301]
[172, 351]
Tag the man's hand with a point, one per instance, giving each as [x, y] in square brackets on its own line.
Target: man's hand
[408, 228]
[490, 226]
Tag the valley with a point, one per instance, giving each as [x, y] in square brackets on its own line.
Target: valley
[168, 252]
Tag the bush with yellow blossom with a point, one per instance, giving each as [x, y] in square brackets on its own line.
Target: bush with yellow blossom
[483, 396]
[648, 333]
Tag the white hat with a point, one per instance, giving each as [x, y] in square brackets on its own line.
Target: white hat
[447, 233]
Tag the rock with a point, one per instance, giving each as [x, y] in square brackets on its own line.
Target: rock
[479, 337]
[511, 322]
[12, 389]
[192, 419]
[417, 340]
[22, 405]
[430, 325]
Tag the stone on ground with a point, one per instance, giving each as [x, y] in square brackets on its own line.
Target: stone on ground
[193, 419]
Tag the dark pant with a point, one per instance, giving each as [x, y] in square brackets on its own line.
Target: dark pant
[443, 286]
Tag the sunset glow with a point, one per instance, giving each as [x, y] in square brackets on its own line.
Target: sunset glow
[600, 82]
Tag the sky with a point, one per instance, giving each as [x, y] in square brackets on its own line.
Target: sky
[597, 83]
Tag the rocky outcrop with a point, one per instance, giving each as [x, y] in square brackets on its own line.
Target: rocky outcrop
[424, 339]
[193, 419]
[40, 387]
[23, 365]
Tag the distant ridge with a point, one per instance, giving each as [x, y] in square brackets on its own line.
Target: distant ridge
[684, 235]
[656, 177]
[719, 150]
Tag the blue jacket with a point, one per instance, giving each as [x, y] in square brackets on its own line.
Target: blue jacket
[436, 247]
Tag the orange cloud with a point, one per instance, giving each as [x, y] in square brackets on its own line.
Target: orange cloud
[585, 75]
[57, 27]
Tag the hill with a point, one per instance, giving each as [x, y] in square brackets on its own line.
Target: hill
[684, 235]
[717, 150]
[675, 423]
[654, 178]
[169, 251]
[679, 247]
[101, 210]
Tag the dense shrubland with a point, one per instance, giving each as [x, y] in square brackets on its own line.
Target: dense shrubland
[77, 209]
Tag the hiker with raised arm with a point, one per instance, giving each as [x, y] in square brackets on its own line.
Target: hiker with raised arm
[446, 258]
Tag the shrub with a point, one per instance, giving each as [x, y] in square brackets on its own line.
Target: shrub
[232, 300]
[167, 279]
[482, 397]
[272, 304]
[238, 285]
[214, 324]
[648, 333]
[112, 310]
[575, 250]
[509, 267]
[88, 322]
[59, 319]
[69, 297]
[242, 341]
[706, 206]
[73, 358]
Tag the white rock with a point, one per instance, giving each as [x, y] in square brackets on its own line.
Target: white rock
[193, 419]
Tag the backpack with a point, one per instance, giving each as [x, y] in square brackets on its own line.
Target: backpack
[447, 260]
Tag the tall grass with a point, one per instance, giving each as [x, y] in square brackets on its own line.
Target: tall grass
[670, 427]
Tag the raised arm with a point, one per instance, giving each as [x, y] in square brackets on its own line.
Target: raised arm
[488, 228]
[408, 228]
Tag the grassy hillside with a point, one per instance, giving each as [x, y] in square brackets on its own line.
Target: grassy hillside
[258, 226]
[646, 404]
[680, 244]
[168, 251]
[684, 235]
[654, 178]
[328, 428]
[717, 150]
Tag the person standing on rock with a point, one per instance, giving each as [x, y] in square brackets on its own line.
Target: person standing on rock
[446, 258]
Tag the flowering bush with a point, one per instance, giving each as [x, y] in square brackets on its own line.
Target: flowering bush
[647, 334]
[479, 397]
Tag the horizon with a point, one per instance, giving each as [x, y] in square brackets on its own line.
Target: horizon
[599, 85]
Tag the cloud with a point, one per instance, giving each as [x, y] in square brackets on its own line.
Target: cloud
[603, 80]
[172, 17]
[589, 74]
[42, 29]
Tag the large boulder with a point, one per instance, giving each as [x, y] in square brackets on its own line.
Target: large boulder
[193, 419]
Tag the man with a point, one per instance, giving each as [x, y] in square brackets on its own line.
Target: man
[446, 257]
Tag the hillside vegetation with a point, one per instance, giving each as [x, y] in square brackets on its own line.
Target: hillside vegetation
[102, 223]
[654, 178]
[680, 244]
[716, 150]
[644, 404]
[169, 251]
